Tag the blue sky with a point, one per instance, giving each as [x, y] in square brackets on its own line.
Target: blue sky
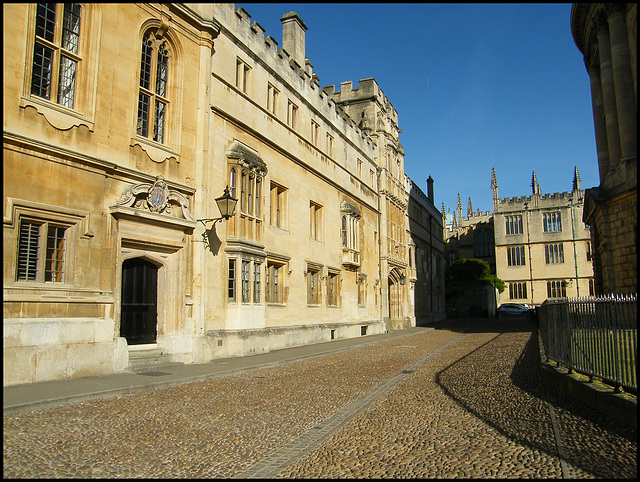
[475, 86]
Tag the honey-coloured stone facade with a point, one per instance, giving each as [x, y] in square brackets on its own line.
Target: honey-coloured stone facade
[121, 130]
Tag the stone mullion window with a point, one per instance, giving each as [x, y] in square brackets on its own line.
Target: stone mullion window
[350, 233]
[153, 101]
[249, 201]
[278, 205]
[333, 288]
[513, 224]
[292, 115]
[517, 291]
[313, 285]
[256, 281]
[273, 281]
[242, 75]
[315, 221]
[245, 281]
[554, 253]
[556, 289]
[551, 222]
[515, 256]
[272, 99]
[231, 285]
[56, 52]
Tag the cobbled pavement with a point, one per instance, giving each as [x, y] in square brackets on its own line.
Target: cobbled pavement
[462, 401]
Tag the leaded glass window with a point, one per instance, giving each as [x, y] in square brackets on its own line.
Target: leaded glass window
[56, 52]
[153, 101]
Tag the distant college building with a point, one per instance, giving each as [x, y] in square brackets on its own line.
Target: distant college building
[543, 249]
[607, 36]
[537, 245]
[122, 125]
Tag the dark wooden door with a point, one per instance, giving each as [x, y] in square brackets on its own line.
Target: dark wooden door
[139, 311]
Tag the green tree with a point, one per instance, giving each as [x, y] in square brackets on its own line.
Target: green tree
[471, 269]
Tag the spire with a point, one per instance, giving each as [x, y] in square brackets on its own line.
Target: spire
[494, 187]
[576, 179]
[534, 184]
[459, 209]
[469, 208]
[494, 181]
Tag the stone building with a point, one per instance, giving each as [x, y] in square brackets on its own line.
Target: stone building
[542, 248]
[607, 36]
[124, 122]
[470, 236]
[426, 254]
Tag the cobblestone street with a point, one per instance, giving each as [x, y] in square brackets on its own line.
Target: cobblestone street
[463, 400]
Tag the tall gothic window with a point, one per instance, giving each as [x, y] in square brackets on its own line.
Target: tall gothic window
[153, 99]
[55, 53]
[483, 243]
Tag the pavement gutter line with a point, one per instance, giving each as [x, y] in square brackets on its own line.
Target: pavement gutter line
[558, 439]
[272, 465]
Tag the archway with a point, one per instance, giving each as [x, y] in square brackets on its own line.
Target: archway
[395, 296]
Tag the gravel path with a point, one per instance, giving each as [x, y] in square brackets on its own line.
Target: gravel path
[460, 401]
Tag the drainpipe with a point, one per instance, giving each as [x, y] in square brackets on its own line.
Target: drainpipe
[526, 214]
[575, 255]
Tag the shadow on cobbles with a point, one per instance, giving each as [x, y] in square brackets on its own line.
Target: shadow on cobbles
[485, 325]
[500, 383]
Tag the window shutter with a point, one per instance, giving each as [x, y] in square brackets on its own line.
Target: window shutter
[28, 251]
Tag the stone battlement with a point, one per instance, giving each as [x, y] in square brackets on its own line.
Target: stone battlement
[545, 197]
[284, 65]
[367, 88]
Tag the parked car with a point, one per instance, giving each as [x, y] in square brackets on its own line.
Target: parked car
[512, 309]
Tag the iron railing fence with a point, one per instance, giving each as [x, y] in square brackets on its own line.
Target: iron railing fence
[593, 336]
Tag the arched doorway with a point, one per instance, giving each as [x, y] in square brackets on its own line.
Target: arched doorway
[395, 297]
[139, 296]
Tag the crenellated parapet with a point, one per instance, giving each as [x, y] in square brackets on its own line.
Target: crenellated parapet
[288, 64]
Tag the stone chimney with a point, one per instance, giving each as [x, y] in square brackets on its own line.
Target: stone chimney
[293, 32]
[430, 188]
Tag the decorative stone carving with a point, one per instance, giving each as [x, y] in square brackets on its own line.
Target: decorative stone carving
[347, 208]
[156, 197]
[247, 158]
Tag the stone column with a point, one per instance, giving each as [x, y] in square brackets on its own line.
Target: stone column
[598, 118]
[608, 90]
[622, 79]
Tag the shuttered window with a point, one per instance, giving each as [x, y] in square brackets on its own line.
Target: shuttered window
[41, 252]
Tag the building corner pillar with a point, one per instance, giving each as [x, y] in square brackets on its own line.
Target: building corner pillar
[600, 126]
[622, 80]
[608, 89]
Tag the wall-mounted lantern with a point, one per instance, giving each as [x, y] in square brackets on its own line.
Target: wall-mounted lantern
[402, 279]
[226, 205]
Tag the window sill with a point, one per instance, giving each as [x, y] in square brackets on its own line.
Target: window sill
[58, 116]
[157, 152]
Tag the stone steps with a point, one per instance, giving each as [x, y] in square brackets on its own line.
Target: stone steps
[152, 359]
